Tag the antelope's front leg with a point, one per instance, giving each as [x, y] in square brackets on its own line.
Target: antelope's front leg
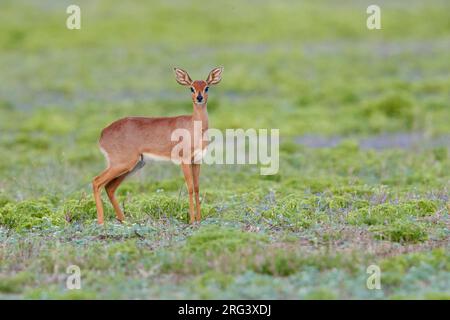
[196, 174]
[188, 176]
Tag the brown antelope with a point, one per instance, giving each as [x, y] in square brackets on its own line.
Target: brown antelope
[128, 142]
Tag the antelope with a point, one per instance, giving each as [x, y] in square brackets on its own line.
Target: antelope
[129, 142]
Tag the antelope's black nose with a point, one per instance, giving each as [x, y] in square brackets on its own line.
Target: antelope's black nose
[199, 98]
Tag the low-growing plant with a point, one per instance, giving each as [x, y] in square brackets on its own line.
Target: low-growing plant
[29, 214]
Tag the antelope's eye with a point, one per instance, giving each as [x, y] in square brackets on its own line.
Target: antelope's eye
[206, 89]
[192, 90]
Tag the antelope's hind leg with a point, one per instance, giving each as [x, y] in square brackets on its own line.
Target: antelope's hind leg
[102, 179]
[111, 188]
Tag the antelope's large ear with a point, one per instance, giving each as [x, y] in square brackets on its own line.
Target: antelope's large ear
[182, 77]
[215, 76]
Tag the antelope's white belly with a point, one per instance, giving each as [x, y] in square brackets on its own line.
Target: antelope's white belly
[197, 156]
[155, 157]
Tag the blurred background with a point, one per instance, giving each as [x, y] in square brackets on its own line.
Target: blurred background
[364, 118]
[304, 67]
[311, 69]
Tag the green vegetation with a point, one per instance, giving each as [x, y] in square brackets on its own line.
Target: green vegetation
[311, 69]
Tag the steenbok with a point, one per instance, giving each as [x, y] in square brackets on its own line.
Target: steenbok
[128, 142]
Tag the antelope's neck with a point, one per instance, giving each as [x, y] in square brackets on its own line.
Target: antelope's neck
[201, 114]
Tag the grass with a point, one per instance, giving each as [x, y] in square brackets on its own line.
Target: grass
[309, 232]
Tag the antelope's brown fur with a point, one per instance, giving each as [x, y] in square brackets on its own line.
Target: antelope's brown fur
[125, 142]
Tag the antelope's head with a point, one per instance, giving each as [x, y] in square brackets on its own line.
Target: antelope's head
[199, 88]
